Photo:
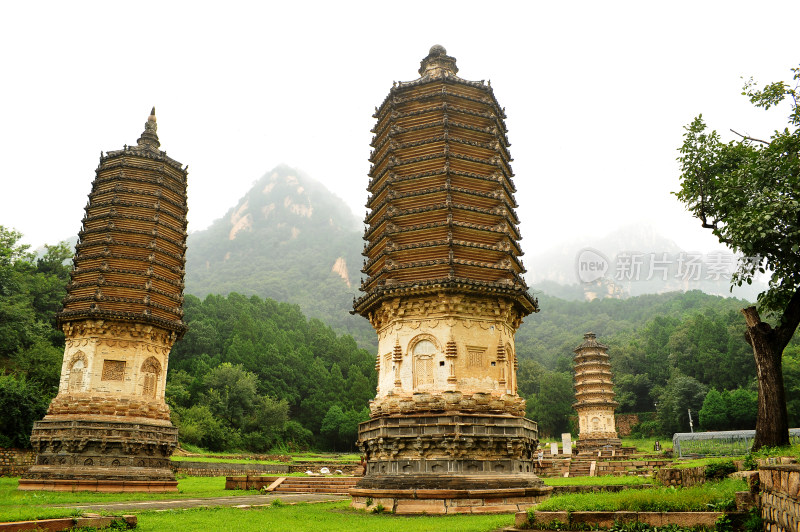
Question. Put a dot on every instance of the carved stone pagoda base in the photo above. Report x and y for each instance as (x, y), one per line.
(88, 454)
(447, 451)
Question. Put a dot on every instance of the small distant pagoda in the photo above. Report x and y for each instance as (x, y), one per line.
(444, 291)
(109, 427)
(594, 396)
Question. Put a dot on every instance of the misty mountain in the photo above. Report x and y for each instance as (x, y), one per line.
(290, 239)
(631, 261)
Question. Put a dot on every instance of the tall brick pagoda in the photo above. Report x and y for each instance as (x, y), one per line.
(444, 291)
(109, 427)
(594, 396)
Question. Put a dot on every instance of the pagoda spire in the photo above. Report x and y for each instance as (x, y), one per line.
(149, 136)
(437, 63)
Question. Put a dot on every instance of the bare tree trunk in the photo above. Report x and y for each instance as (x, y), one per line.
(772, 424)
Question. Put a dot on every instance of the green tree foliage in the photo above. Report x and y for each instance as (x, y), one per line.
(551, 406)
(268, 375)
(791, 379)
(714, 413)
(682, 393)
(21, 403)
(340, 428)
(729, 410)
(748, 193)
(31, 349)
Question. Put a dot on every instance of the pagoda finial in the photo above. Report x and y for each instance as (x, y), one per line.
(149, 137)
(437, 63)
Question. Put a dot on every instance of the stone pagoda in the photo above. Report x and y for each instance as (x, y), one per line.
(109, 427)
(594, 396)
(444, 290)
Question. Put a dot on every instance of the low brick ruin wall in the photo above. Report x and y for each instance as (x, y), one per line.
(15, 462)
(689, 476)
(780, 497)
(593, 520)
(220, 469)
(624, 423)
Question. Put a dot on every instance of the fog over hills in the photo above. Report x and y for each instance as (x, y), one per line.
(631, 261)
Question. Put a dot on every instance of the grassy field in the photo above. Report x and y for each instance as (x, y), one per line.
(607, 480)
(323, 517)
(704, 497)
(645, 445)
(20, 505)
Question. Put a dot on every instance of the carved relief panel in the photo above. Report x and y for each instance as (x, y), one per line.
(424, 352)
(151, 370)
(113, 370)
(76, 372)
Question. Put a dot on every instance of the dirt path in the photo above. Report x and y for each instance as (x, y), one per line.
(243, 501)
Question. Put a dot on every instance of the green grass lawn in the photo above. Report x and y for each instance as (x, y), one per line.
(606, 480)
(28, 505)
(322, 517)
(645, 445)
(18, 505)
(704, 497)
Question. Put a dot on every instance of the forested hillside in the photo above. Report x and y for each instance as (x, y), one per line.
(289, 239)
(667, 352)
(253, 373)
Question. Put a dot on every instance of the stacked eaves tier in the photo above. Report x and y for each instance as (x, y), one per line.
(129, 263)
(441, 206)
(594, 391)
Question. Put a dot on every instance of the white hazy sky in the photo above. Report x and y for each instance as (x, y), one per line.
(596, 93)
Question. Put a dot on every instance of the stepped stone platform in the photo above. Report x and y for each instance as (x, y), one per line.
(449, 501)
(619, 462)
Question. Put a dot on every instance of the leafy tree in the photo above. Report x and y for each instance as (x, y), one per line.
(21, 403)
(199, 426)
(552, 406)
(633, 392)
(682, 393)
(714, 413)
(748, 193)
(742, 409)
(791, 379)
(230, 393)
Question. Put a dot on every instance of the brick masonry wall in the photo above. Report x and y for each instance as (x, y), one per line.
(681, 477)
(625, 422)
(218, 469)
(780, 497)
(15, 462)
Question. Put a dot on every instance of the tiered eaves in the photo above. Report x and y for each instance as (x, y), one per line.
(129, 262)
(441, 206)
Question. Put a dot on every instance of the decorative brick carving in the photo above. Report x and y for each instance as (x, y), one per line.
(113, 370)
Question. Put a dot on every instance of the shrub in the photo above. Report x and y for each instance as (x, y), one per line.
(696, 498)
(719, 470)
